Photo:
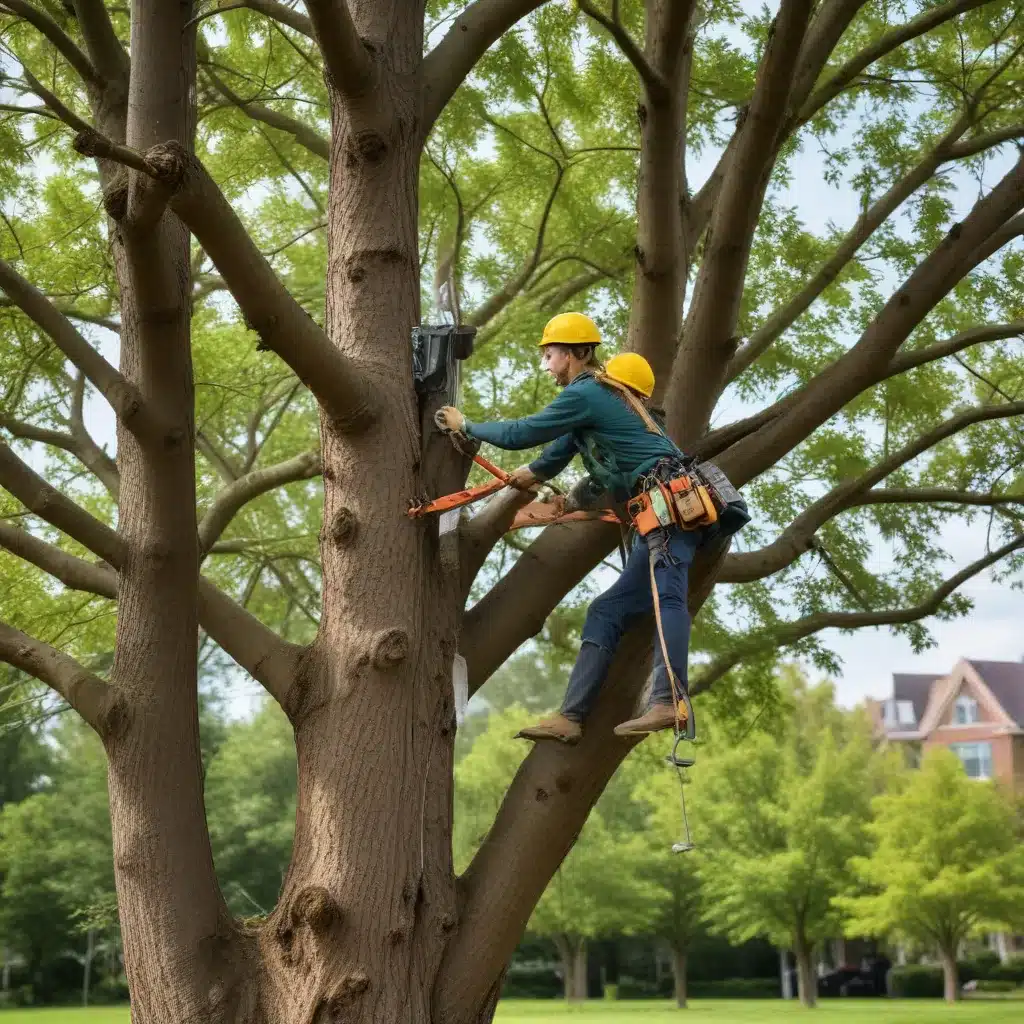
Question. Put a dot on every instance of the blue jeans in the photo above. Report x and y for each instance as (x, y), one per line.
(627, 601)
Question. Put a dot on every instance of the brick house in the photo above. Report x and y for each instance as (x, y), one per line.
(977, 711)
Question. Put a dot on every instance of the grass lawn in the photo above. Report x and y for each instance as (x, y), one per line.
(841, 1011)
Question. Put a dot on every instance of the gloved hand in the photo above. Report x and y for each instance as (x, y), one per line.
(449, 418)
(522, 479)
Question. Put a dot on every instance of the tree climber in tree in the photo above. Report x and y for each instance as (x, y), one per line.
(603, 416)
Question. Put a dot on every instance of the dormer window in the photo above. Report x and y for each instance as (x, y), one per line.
(899, 714)
(965, 711)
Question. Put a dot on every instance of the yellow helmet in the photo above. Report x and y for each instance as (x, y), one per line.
(632, 370)
(571, 329)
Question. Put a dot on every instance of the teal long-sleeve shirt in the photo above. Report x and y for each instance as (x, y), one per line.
(589, 419)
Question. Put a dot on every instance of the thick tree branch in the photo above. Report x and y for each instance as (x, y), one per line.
(904, 361)
(518, 605)
(68, 116)
(282, 324)
(986, 140)
(346, 61)
(784, 634)
(271, 661)
(246, 488)
(302, 133)
(50, 505)
(864, 227)
(282, 13)
(43, 23)
(259, 650)
(992, 222)
(105, 49)
(539, 820)
(936, 496)
(76, 443)
(831, 20)
(656, 86)
(75, 573)
(472, 33)
(718, 441)
(891, 40)
(798, 537)
(124, 398)
(89, 695)
(664, 243)
(698, 375)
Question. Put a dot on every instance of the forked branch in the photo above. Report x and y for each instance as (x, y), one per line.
(346, 60)
(269, 310)
(269, 659)
(472, 33)
(657, 86)
(798, 537)
(43, 23)
(89, 695)
(992, 222)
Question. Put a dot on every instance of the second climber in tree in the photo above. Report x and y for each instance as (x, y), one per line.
(602, 415)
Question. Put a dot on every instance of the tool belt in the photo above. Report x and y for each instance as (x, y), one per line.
(690, 499)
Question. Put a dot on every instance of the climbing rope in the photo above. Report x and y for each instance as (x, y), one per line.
(679, 696)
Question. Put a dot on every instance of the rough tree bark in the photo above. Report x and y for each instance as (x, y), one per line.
(372, 925)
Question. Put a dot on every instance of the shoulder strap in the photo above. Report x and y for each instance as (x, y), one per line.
(633, 402)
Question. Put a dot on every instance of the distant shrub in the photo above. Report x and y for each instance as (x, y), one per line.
(916, 981)
(736, 988)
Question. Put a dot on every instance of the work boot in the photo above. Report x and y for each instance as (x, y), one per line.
(655, 719)
(557, 727)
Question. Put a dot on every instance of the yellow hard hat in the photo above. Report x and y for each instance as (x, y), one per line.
(632, 370)
(571, 329)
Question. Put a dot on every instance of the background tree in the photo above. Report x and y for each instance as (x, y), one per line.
(630, 158)
(58, 898)
(947, 862)
(778, 818)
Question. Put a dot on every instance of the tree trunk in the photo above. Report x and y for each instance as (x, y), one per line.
(572, 952)
(950, 975)
(679, 976)
(807, 982)
(5, 973)
(579, 974)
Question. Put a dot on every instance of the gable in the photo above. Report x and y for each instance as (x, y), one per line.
(965, 680)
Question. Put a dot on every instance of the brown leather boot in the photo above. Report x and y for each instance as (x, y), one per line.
(557, 727)
(655, 719)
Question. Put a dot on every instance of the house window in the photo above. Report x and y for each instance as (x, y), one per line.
(899, 714)
(965, 711)
(976, 758)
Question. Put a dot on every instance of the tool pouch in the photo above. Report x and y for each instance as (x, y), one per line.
(652, 509)
(693, 504)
